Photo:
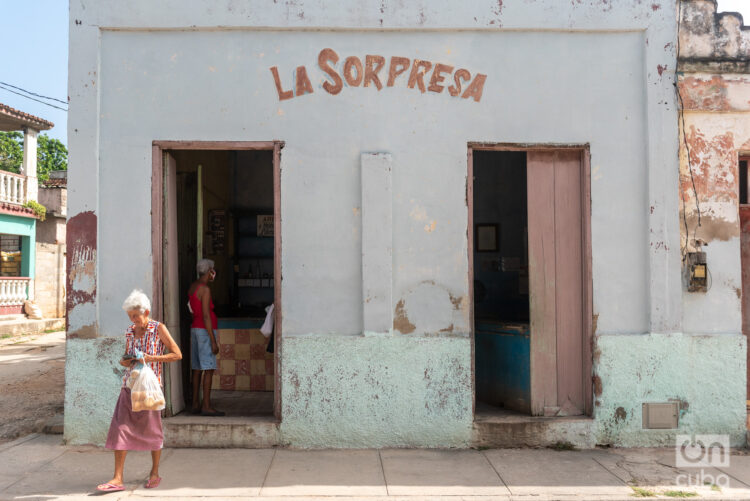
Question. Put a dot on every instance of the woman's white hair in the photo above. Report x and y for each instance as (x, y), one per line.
(203, 266)
(137, 300)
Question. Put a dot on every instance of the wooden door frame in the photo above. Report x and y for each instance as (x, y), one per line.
(743, 156)
(588, 308)
(157, 230)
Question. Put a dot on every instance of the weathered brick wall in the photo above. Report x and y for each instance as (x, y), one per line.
(50, 279)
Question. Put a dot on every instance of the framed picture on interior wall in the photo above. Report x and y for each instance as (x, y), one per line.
(265, 226)
(487, 238)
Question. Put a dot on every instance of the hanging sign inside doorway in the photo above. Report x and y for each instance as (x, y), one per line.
(216, 227)
(424, 75)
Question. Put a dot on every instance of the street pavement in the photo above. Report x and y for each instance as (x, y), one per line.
(22, 357)
(32, 381)
(41, 467)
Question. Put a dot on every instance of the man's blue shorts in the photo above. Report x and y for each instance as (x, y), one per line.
(201, 356)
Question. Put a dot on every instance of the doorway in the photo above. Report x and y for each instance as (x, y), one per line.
(744, 202)
(220, 201)
(530, 269)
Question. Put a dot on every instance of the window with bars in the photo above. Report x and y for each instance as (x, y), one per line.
(10, 255)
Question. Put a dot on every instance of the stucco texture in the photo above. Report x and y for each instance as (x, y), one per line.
(426, 134)
(376, 391)
(93, 378)
(705, 373)
(715, 141)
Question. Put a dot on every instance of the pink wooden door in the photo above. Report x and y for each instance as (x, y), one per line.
(556, 281)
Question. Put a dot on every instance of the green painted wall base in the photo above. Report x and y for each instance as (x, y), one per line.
(93, 378)
(403, 391)
(376, 391)
(705, 373)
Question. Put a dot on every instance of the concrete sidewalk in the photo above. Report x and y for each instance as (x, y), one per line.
(40, 467)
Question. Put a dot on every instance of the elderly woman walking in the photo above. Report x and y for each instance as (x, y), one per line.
(139, 431)
(203, 344)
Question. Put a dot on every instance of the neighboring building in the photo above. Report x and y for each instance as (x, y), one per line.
(714, 83)
(18, 222)
(50, 246)
(475, 215)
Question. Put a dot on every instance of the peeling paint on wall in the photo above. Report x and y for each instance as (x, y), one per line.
(391, 391)
(701, 94)
(712, 177)
(675, 367)
(712, 227)
(430, 309)
(81, 282)
(401, 321)
(714, 87)
(93, 378)
(714, 163)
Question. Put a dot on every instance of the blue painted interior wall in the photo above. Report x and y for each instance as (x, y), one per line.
(503, 376)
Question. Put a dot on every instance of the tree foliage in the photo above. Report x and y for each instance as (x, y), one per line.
(11, 151)
(51, 154)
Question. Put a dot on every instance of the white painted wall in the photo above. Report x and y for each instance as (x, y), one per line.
(149, 92)
(554, 86)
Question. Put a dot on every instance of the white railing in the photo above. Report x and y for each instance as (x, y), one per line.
(13, 290)
(12, 188)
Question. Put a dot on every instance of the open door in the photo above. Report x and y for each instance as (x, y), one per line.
(187, 224)
(170, 285)
(557, 282)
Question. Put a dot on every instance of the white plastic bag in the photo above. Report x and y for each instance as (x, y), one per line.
(145, 391)
(32, 310)
(267, 328)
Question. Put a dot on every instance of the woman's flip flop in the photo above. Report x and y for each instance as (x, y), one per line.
(153, 483)
(110, 487)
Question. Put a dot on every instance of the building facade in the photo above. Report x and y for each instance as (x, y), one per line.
(465, 215)
(50, 246)
(714, 148)
(17, 219)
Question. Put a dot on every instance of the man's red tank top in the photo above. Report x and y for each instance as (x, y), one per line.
(197, 307)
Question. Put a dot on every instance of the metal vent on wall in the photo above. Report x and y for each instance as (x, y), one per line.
(661, 416)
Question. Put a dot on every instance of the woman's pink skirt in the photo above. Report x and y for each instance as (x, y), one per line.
(134, 431)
